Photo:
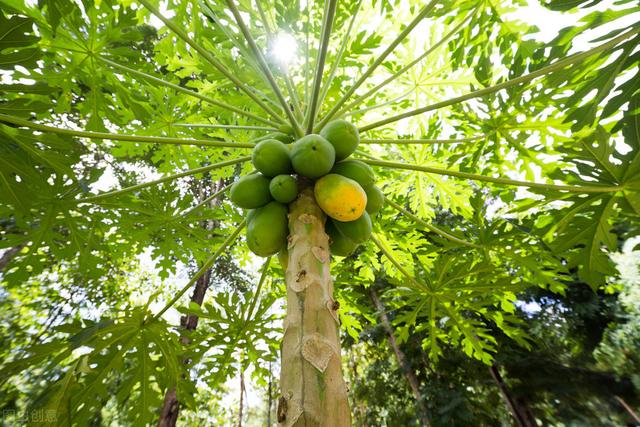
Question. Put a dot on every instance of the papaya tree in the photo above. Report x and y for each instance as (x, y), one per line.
(437, 145)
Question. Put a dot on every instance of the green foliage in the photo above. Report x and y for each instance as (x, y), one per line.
(141, 355)
(560, 378)
(619, 347)
(456, 96)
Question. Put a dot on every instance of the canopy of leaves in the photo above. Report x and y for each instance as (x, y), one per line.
(507, 164)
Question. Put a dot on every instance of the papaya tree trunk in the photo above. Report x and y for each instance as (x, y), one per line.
(313, 391)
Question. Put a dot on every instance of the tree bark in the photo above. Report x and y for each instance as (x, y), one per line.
(171, 405)
(409, 373)
(313, 391)
(190, 322)
(9, 255)
(241, 395)
(361, 412)
(628, 408)
(169, 411)
(269, 399)
(520, 410)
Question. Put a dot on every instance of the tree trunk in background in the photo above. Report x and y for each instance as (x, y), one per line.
(269, 399)
(169, 411)
(412, 379)
(241, 395)
(361, 412)
(519, 409)
(171, 405)
(8, 255)
(628, 408)
(311, 383)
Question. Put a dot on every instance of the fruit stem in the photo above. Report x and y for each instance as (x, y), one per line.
(264, 67)
(403, 70)
(230, 127)
(293, 94)
(322, 55)
(338, 58)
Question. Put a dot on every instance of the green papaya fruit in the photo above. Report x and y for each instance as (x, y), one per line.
(375, 199)
(339, 244)
(283, 257)
(284, 188)
(282, 137)
(358, 231)
(312, 156)
(271, 157)
(251, 191)
(285, 128)
(355, 170)
(343, 136)
(267, 229)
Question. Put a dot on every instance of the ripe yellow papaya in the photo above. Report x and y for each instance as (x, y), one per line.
(340, 198)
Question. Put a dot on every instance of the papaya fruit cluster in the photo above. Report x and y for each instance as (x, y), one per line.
(344, 188)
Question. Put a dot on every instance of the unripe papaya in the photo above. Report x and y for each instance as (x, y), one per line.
(343, 136)
(267, 229)
(283, 257)
(312, 156)
(358, 231)
(284, 188)
(355, 170)
(282, 137)
(271, 157)
(251, 191)
(285, 128)
(340, 198)
(375, 199)
(339, 244)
